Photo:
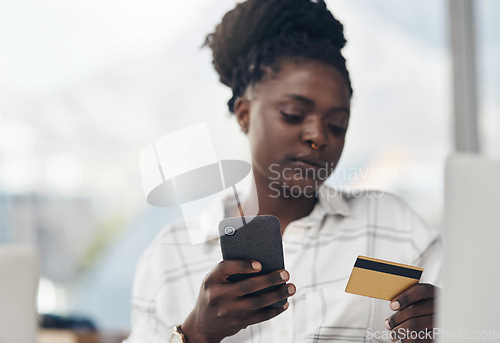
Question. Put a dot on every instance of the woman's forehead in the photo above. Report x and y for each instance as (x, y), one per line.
(308, 78)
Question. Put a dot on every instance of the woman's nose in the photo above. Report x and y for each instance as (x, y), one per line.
(314, 134)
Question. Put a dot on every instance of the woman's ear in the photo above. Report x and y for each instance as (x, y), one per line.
(242, 113)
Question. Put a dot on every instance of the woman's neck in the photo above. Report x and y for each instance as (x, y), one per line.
(282, 205)
(287, 209)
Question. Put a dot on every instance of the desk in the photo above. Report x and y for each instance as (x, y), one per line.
(68, 336)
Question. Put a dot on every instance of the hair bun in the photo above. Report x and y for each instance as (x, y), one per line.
(256, 21)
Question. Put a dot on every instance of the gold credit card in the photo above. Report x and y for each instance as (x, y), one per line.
(381, 279)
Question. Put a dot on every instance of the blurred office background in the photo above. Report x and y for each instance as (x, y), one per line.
(86, 85)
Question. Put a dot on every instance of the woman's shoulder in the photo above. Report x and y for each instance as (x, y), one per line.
(358, 201)
(379, 201)
(382, 209)
(175, 245)
(175, 231)
(185, 233)
(361, 197)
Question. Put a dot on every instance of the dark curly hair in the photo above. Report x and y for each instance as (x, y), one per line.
(257, 33)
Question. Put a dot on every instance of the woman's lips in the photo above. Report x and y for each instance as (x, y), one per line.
(303, 164)
(309, 161)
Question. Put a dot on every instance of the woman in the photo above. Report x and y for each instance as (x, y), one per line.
(291, 96)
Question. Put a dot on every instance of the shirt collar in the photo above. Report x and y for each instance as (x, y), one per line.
(330, 202)
(333, 201)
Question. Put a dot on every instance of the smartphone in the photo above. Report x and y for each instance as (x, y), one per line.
(253, 238)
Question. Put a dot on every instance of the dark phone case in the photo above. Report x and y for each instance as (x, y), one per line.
(259, 239)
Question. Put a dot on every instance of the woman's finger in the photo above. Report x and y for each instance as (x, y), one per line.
(419, 309)
(414, 330)
(416, 293)
(257, 283)
(230, 267)
(256, 302)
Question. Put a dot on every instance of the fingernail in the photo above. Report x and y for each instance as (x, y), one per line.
(286, 305)
(395, 305)
(387, 324)
(256, 265)
(284, 275)
(291, 289)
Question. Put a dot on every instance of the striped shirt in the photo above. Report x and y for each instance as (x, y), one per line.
(319, 249)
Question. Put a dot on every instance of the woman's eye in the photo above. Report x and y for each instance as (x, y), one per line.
(291, 117)
(337, 130)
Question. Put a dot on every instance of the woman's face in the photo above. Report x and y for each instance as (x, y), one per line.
(296, 120)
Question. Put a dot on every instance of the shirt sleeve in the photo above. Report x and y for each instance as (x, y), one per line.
(166, 285)
(428, 243)
(431, 260)
(147, 324)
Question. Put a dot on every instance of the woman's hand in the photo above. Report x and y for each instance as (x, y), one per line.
(222, 308)
(414, 320)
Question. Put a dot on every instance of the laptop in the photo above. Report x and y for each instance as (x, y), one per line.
(470, 303)
(18, 290)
